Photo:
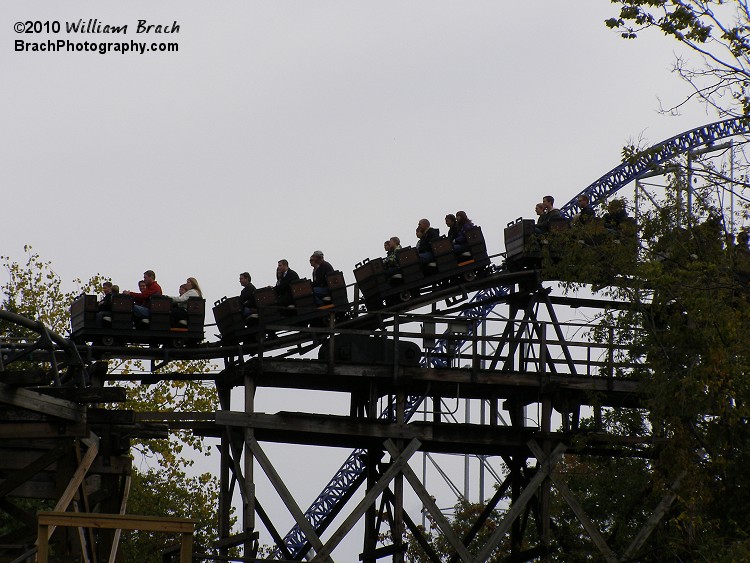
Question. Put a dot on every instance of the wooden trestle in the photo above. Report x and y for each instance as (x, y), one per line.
(58, 444)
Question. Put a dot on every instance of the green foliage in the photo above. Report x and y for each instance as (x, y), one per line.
(171, 493)
(686, 335)
(684, 338)
(35, 291)
(173, 396)
(616, 494)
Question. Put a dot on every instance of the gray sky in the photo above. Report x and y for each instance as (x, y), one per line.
(282, 127)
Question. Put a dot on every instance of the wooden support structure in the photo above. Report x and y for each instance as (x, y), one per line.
(528, 363)
(48, 521)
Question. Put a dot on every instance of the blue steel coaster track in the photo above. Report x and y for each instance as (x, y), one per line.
(650, 159)
(351, 474)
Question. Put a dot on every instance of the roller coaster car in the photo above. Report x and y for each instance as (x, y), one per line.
(302, 310)
(522, 248)
(365, 349)
(118, 324)
(380, 286)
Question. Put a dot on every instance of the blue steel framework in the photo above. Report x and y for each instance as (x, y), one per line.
(351, 474)
(650, 159)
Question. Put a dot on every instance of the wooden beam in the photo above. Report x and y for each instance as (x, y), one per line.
(75, 481)
(38, 402)
(117, 521)
(118, 531)
(344, 431)
(653, 520)
(86, 395)
(29, 430)
(317, 373)
(416, 531)
(48, 521)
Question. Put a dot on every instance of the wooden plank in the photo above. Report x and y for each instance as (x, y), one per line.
(86, 395)
(307, 428)
(118, 531)
(306, 374)
(75, 481)
(117, 521)
(48, 521)
(110, 416)
(26, 431)
(13, 460)
(653, 520)
(38, 402)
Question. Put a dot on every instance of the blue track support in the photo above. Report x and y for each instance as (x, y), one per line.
(351, 473)
(650, 159)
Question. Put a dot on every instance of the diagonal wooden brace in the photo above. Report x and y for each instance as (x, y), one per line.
(396, 467)
(284, 493)
(432, 507)
(519, 505)
(583, 518)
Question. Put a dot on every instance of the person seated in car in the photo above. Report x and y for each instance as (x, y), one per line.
(187, 290)
(321, 269)
(247, 296)
(616, 215)
(460, 242)
(551, 215)
(450, 222)
(284, 277)
(151, 287)
(586, 214)
(391, 261)
(426, 235)
(104, 306)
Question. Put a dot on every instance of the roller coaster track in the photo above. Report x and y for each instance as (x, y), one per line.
(352, 473)
(651, 159)
(48, 342)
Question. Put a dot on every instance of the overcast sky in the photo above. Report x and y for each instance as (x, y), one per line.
(282, 127)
